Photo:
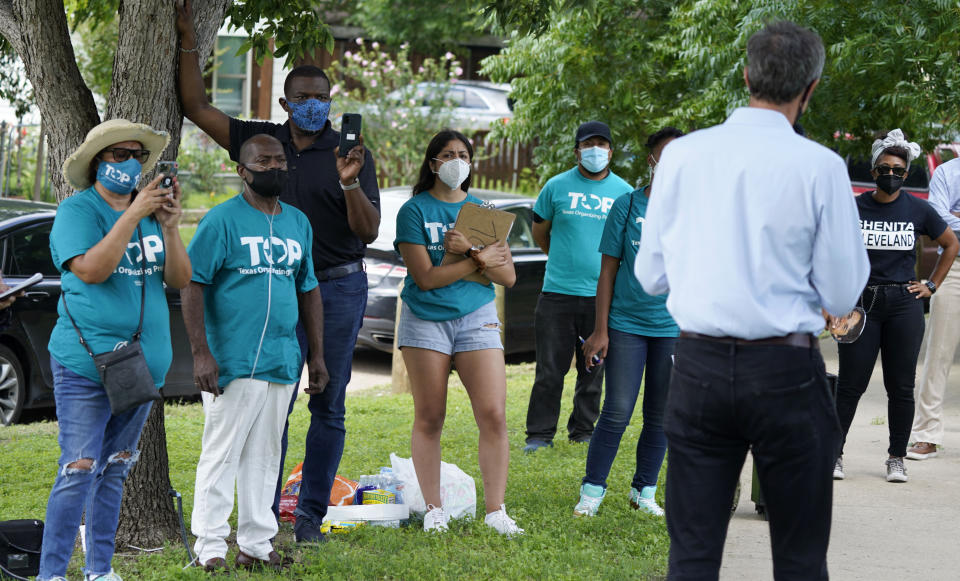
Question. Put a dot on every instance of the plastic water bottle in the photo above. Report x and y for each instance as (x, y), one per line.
(390, 482)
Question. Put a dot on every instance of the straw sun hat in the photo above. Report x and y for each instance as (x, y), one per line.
(76, 168)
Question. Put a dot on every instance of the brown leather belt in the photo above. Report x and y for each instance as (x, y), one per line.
(805, 340)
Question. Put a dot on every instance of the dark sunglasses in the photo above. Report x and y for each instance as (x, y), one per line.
(897, 171)
(123, 154)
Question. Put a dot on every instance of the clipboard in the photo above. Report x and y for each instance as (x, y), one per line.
(482, 225)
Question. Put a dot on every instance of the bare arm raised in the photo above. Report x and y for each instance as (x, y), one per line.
(193, 95)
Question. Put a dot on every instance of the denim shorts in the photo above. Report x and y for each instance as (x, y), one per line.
(471, 332)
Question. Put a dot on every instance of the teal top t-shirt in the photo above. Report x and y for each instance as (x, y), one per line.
(423, 220)
(252, 281)
(632, 310)
(107, 313)
(578, 209)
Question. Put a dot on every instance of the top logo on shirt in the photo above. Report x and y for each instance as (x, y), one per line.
(272, 251)
(135, 254)
(588, 205)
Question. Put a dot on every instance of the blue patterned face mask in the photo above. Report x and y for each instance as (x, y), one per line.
(120, 178)
(310, 115)
(594, 159)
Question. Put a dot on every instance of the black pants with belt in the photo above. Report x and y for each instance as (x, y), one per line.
(724, 399)
(559, 320)
(894, 329)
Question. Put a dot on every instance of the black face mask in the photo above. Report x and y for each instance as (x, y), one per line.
(889, 183)
(269, 183)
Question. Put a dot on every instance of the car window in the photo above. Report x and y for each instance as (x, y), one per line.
(521, 235)
(473, 101)
(30, 252)
(455, 97)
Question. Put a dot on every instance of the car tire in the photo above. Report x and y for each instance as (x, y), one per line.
(13, 386)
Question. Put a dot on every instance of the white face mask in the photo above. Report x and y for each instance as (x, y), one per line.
(453, 172)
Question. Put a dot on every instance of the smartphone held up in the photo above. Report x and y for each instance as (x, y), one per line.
(349, 133)
(169, 171)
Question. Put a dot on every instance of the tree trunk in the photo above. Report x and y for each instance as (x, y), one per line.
(147, 517)
(37, 31)
(144, 90)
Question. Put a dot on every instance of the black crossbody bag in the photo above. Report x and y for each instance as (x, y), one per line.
(124, 372)
(20, 542)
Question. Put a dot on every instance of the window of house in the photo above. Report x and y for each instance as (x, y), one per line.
(230, 92)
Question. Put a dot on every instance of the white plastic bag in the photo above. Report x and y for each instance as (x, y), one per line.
(458, 492)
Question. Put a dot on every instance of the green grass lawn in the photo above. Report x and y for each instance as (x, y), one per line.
(617, 544)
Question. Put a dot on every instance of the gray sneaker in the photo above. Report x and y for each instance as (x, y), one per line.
(838, 469)
(896, 472)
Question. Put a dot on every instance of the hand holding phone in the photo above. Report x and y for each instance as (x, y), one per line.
(169, 170)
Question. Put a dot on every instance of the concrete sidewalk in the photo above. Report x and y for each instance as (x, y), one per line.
(881, 530)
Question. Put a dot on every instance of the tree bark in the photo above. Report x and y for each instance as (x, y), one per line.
(144, 90)
(37, 31)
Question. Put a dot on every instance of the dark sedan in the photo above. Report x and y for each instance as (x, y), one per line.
(25, 377)
(385, 270)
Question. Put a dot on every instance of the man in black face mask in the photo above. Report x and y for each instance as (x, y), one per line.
(253, 277)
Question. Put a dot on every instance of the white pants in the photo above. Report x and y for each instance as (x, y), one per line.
(943, 334)
(241, 446)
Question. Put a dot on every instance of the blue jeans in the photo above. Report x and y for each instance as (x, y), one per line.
(87, 431)
(627, 354)
(344, 301)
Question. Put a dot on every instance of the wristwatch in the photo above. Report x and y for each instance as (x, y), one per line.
(932, 286)
(469, 253)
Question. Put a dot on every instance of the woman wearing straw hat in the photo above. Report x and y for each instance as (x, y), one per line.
(890, 219)
(109, 242)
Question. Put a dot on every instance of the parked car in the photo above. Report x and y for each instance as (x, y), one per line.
(476, 104)
(25, 378)
(916, 183)
(385, 271)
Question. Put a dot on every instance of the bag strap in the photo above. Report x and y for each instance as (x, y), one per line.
(143, 298)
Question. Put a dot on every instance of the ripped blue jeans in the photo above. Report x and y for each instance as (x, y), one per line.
(97, 450)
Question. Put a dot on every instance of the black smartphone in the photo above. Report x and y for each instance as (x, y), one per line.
(21, 286)
(349, 133)
(168, 169)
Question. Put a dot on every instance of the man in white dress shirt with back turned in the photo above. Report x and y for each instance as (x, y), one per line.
(752, 231)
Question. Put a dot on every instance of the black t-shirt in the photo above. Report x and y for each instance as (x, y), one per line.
(890, 231)
(314, 188)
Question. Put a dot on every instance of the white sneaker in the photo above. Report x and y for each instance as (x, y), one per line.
(111, 576)
(838, 469)
(435, 519)
(896, 472)
(644, 500)
(591, 496)
(503, 524)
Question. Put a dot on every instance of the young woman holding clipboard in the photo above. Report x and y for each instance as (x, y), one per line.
(447, 319)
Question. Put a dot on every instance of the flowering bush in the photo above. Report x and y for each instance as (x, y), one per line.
(403, 104)
(203, 165)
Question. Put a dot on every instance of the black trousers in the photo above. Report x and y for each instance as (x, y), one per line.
(894, 329)
(725, 399)
(560, 319)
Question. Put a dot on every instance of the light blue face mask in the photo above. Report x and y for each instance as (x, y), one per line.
(310, 115)
(594, 159)
(119, 177)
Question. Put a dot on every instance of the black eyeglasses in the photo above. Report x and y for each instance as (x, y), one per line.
(897, 171)
(123, 154)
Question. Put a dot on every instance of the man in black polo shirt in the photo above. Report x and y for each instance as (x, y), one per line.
(340, 197)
